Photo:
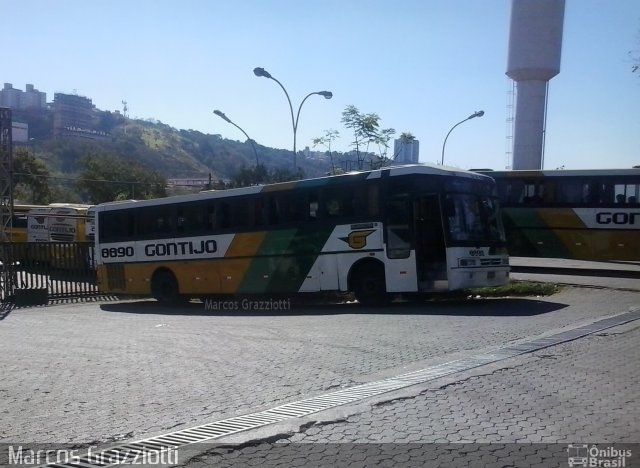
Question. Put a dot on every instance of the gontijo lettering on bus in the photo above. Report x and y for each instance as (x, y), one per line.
(199, 247)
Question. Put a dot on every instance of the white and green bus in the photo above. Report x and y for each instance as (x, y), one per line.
(409, 229)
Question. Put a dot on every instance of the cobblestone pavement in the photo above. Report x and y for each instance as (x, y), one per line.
(524, 414)
(103, 372)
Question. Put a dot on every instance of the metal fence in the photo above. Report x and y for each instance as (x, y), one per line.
(36, 272)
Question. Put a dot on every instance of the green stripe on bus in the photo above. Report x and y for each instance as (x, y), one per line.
(284, 260)
(529, 236)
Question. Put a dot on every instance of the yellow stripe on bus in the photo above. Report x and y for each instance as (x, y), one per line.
(561, 218)
(246, 244)
(217, 276)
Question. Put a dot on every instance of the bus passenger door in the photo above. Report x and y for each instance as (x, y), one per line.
(431, 254)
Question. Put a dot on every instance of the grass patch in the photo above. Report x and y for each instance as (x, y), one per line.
(517, 288)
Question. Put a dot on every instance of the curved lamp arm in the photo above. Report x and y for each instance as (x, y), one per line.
(227, 119)
(472, 116)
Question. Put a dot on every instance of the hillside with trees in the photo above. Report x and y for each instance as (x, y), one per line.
(136, 157)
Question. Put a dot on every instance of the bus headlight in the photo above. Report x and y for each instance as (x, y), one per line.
(467, 262)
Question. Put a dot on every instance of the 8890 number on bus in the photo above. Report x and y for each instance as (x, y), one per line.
(117, 252)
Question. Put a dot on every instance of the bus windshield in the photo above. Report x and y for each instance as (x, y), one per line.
(473, 218)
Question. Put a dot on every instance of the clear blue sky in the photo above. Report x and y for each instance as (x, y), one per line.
(421, 65)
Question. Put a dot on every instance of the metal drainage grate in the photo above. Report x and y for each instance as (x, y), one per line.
(215, 430)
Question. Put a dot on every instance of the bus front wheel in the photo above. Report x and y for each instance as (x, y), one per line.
(369, 285)
(164, 288)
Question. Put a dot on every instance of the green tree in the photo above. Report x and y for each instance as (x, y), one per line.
(326, 140)
(366, 131)
(353, 119)
(31, 178)
(382, 141)
(261, 175)
(250, 176)
(107, 178)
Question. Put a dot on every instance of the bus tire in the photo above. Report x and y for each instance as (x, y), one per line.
(164, 288)
(369, 285)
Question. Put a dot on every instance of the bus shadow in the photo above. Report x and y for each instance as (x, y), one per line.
(500, 307)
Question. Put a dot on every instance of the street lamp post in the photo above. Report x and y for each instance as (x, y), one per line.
(472, 116)
(224, 117)
(294, 120)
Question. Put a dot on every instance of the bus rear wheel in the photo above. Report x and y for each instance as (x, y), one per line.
(164, 288)
(369, 285)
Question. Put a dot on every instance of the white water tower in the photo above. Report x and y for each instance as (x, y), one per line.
(535, 45)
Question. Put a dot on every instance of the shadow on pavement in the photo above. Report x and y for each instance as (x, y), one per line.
(5, 310)
(502, 307)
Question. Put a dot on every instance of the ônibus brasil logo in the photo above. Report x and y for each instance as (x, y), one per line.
(593, 456)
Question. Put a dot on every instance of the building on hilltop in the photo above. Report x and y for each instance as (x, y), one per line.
(406, 151)
(22, 100)
(73, 117)
(10, 97)
(33, 99)
(70, 110)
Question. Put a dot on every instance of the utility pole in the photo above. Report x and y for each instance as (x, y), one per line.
(7, 280)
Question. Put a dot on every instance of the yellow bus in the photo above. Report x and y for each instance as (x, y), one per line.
(58, 222)
(55, 234)
(583, 214)
(18, 230)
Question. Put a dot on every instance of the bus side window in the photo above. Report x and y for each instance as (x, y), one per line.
(365, 201)
(271, 211)
(225, 215)
(118, 225)
(503, 187)
(190, 219)
(181, 221)
(594, 193)
(287, 208)
(162, 224)
(338, 202)
(627, 193)
(533, 193)
(348, 202)
(257, 212)
(240, 213)
(607, 194)
(549, 192)
(20, 220)
(147, 222)
(130, 223)
(514, 192)
(296, 209)
(373, 202)
(210, 220)
(313, 206)
(332, 207)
